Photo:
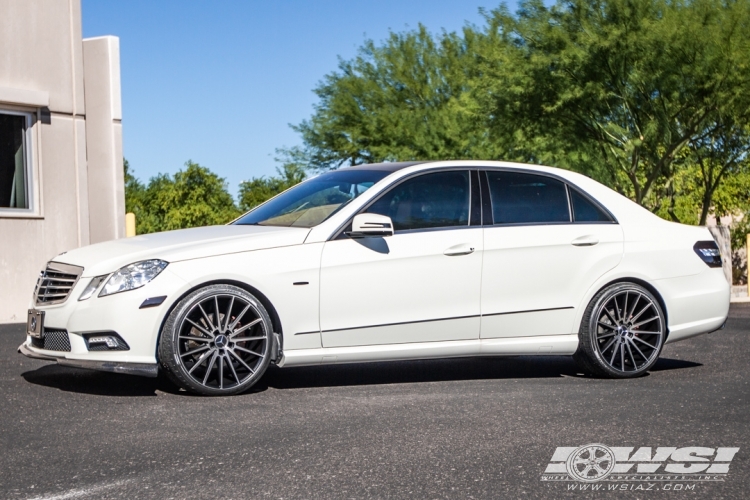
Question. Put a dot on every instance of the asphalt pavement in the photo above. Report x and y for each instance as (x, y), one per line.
(461, 428)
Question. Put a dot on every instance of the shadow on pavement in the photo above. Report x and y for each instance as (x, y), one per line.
(397, 372)
(404, 372)
(97, 383)
(665, 364)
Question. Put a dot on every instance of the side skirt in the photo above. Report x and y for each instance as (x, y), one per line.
(515, 346)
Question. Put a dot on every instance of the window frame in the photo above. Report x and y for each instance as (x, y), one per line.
(31, 183)
(489, 208)
(340, 233)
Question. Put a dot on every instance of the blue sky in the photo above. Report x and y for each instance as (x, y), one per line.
(219, 82)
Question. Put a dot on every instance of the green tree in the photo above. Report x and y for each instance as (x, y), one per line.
(619, 88)
(133, 190)
(194, 197)
(135, 202)
(405, 99)
(259, 189)
(647, 96)
(712, 177)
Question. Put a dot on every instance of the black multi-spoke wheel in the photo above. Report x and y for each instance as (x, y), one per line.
(218, 340)
(622, 332)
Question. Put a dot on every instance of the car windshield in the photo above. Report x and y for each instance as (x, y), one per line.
(313, 201)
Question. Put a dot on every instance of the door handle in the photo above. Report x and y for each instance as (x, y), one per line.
(461, 249)
(585, 241)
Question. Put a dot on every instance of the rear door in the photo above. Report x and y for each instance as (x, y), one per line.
(546, 244)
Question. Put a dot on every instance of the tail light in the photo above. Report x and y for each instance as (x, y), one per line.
(709, 253)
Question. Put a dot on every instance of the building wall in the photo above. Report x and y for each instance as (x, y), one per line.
(43, 70)
(104, 138)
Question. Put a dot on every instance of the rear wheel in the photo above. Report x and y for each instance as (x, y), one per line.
(622, 332)
(217, 341)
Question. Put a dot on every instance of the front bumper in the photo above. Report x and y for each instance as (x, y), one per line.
(141, 369)
(119, 314)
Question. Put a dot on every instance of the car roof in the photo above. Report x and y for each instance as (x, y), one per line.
(386, 167)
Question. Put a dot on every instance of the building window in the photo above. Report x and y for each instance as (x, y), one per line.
(15, 175)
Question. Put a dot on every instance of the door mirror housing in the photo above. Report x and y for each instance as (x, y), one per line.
(369, 225)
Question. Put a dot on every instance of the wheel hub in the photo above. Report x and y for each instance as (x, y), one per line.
(221, 341)
(623, 333)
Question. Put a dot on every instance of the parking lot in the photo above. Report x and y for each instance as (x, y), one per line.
(462, 428)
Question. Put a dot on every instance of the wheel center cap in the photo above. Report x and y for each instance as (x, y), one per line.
(221, 341)
(624, 333)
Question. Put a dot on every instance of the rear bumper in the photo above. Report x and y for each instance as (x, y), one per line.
(141, 369)
(695, 304)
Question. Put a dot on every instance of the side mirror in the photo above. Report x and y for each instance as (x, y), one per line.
(365, 225)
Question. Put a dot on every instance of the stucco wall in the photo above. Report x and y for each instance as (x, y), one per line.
(104, 138)
(42, 54)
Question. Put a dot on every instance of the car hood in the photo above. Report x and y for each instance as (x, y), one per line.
(184, 244)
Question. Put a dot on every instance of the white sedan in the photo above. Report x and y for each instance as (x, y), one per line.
(386, 262)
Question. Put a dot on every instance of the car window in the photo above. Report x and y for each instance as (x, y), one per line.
(313, 201)
(439, 199)
(584, 210)
(519, 198)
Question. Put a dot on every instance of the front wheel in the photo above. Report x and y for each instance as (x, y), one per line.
(217, 341)
(622, 332)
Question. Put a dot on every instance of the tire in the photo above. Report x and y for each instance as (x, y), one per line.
(217, 341)
(622, 332)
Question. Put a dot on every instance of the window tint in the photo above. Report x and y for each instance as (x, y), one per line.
(586, 211)
(430, 200)
(527, 198)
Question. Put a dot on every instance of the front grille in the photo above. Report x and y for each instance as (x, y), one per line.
(55, 283)
(53, 340)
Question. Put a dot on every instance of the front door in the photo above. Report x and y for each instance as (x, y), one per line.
(420, 285)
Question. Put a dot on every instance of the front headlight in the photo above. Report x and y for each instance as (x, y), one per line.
(133, 276)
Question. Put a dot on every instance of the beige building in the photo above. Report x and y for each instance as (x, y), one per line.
(61, 174)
